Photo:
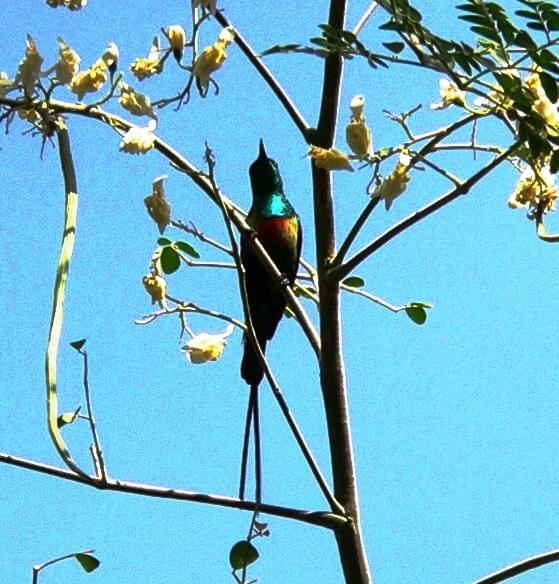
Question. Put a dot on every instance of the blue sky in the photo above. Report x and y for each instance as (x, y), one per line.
(454, 422)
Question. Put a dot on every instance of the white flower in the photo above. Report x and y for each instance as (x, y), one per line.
(139, 140)
(206, 347)
(451, 95)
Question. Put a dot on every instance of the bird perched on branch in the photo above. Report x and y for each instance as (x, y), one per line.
(279, 230)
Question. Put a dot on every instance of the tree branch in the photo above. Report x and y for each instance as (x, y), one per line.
(321, 518)
(332, 374)
(345, 269)
(521, 567)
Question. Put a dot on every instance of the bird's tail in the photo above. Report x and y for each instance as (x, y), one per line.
(251, 369)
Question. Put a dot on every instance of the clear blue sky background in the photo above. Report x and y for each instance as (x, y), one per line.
(455, 422)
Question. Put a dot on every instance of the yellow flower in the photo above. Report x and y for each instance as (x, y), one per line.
(396, 182)
(548, 111)
(330, 159)
(90, 80)
(212, 58)
(68, 63)
(29, 67)
(534, 189)
(451, 95)
(542, 105)
(135, 102)
(5, 83)
(358, 134)
(211, 5)
(158, 206)
(139, 140)
(177, 39)
(29, 115)
(206, 347)
(156, 287)
(144, 67)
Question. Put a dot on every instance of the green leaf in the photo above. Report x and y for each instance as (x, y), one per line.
(524, 40)
(170, 260)
(242, 554)
(78, 344)
(535, 26)
(88, 562)
(486, 32)
(475, 18)
(354, 282)
(67, 418)
(549, 86)
(164, 241)
(395, 47)
(186, 248)
(475, 8)
(417, 312)
(554, 162)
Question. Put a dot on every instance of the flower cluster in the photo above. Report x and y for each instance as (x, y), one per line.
(536, 189)
(450, 93)
(542, 105)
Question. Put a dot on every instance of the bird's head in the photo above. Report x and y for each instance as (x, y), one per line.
(264, 174)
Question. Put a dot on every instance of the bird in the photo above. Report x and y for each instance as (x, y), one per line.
(278, 227)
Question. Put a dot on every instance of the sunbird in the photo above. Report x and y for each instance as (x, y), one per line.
(278, 227)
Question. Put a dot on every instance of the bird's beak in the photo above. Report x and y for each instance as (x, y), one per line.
(262, 153)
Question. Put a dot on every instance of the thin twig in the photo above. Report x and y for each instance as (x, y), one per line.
(365, 18)
(193, 230)
(98, 458)
(37, 568)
